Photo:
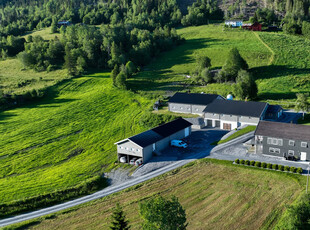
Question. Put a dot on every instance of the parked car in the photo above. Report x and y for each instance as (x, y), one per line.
(132, 161)
(178, 143)
(139, 162)
(123, 160)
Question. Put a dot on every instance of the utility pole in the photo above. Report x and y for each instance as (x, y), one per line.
(308, 178)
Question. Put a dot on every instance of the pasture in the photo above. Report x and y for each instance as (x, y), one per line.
(215, 194)
(67, 137)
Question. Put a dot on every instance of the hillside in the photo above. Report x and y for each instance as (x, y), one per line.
(215, 195)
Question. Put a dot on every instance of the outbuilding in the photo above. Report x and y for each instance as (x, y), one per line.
(153, 141)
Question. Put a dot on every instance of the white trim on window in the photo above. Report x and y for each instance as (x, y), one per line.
(291, 152)
(291, 142)
(304, 144)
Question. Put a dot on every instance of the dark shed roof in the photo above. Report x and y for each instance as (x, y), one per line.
(172, 127)
(151, 136)
(146, 138)
(239, 108)
(193, 98)
(274, 109)
(283, 130)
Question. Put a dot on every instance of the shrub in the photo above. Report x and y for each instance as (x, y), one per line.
(269, 166)
(275, 166)
(293, 169)
(299, 170)
(237, 161)
(257, 163)
(242, 162)
(287, 168)
(252, 163)
(247, 162)
(281, 167)
(263, 165)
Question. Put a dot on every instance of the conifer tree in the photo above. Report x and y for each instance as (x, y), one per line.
(119, 221)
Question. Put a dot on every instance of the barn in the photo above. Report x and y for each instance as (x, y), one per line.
(153, 141)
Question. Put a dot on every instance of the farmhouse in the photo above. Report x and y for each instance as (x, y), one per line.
(283, 140)
(228, 114)
(233, 23)
(152, 141)
(193, 103)
(254, 27)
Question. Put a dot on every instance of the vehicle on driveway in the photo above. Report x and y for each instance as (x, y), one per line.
(123, 160)
(139, 162)
(178, 143)
(132, 161)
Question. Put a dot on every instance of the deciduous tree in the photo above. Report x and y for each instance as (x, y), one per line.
(302, 103)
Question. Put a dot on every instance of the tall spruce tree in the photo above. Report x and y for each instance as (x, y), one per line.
(119, 221)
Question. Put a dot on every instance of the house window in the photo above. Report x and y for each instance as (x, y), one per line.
(290, 152)
(271, 150)
(138, 150)
(132, 149)
(291, 142)
(173, 107)
(280, 142)
(188, 108)
(181, 107)
(269, 140)
(275, 141)
(304, 144)
(127, 148)
(276, 150)
(121, 147)
(196, 109)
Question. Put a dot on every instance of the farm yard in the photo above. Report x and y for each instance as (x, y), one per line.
(68, 136)
(218, 196)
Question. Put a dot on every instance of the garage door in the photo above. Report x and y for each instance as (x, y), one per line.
(209, 123)
(226, 126)
(217, 124)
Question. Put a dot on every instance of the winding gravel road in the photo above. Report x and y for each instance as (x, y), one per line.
(116, 188)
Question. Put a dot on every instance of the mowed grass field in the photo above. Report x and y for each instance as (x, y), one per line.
(279, 62)
(215, 194)
(65, 138)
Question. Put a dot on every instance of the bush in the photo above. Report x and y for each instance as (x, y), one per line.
(237, 161)
(257, 163)
(275, 166)
(252, 163)
(264, 165)
(269, 166)
(287, 168)
(281, 167)
(293, 169)
(247, 162)
(299, 170)
(242, 162)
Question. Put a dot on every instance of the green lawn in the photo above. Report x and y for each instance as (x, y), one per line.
(239, 133)
(215, 194)
(38, 143)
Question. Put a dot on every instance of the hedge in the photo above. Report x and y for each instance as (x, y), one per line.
(237, 161)
(257, 164)
(281, 167)
(287, 168)
(247, 162)
(269, 166)
(264, 165)
(242, 162)
(299, 170)
(252, 163)
(275, 166)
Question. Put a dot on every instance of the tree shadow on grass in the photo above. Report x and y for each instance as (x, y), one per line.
(274, 71)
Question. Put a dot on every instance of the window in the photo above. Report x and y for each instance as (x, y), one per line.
(271, 150)
(280, 142)
(132, 149)
(181, 107)
(277, 150)
(269, 140)
(173, 107)
(275, 141)
(188, 108)
(304, 144)
(121, 147)
(127, 148)
(138, 150)
(291, 142)
(290, 152)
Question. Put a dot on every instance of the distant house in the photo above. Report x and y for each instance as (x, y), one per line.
(283, 140)
(153, 141)
(274, 112)
(193, 103)
(64, 23)
(234, 23)
(254, 27)
(228, 114)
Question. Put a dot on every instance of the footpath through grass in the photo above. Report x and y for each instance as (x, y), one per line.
(66, 138)
(239, 133)
(215, 194)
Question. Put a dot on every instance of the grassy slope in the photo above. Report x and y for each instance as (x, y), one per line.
(88, 104)
(167, 72)
(239, 133)
(218, 195)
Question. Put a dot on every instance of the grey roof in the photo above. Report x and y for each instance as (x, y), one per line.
(172, 127)
(156, 134)
(193, 98)
(195, 120)
(283, 130)
(238, 108)
(146, 138)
